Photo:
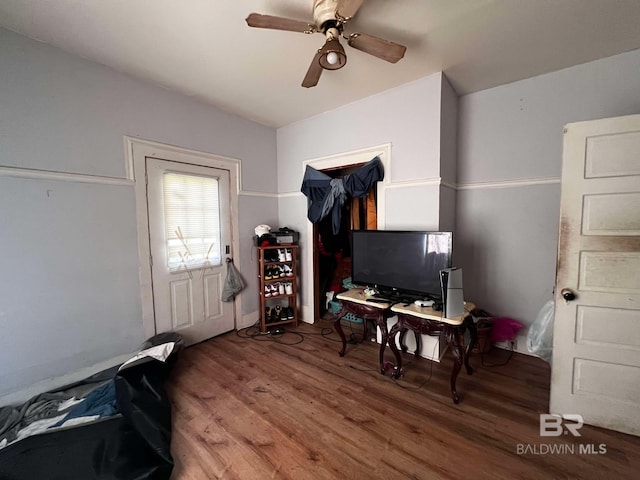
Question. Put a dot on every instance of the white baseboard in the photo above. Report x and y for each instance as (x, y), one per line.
(520, 345)
(249, 320)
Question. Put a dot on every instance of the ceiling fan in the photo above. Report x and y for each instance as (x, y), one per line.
(330, 18)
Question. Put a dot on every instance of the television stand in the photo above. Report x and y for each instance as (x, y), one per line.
(427, 321)
(420, 320)
(356, 302)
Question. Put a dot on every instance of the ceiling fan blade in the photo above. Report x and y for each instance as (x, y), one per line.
(384, 49)
(314, 72)
(348, 8)
(279, 23)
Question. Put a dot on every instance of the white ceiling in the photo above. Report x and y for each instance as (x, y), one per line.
(204, 48)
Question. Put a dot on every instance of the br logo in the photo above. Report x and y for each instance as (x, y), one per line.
(556, 425)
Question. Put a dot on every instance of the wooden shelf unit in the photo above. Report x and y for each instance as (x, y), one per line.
(284, 300)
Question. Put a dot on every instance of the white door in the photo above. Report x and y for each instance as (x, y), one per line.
(596, 351)
(190, 238)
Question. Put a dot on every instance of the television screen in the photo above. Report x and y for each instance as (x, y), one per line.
(400, 263)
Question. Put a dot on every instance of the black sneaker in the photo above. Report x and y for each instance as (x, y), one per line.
(289, 312)
(275, 313)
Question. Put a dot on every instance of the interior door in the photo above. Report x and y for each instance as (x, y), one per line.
(596, 352)
(190, 237)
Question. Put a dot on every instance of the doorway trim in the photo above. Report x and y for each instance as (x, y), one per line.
(336, 161)
(136, 151)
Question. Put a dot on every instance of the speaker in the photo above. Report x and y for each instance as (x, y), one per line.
(452, 297)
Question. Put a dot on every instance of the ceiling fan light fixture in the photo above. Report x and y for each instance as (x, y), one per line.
(332, 56)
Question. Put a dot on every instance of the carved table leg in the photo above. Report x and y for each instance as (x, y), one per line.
(473, 331)
(338, 328)
(403, 345)
(381, 321)
(398, 327)
(451, 334)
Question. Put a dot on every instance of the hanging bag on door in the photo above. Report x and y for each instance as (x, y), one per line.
(233, 284)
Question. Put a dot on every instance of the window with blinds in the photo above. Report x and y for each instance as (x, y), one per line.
(192, 221)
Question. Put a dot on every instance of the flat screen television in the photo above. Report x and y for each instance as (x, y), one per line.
(400, 264)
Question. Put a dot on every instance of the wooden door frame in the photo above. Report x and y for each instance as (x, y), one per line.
(137, 151)
(339, 161)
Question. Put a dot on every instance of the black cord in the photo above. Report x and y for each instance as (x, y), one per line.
(253, 332)
(324, 332)
(247, 332)
(411, 387)
(489, 365)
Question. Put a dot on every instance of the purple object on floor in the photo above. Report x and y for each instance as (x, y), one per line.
(505, 329)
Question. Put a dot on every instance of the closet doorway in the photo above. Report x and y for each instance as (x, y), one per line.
(335, 163)
(332, 252)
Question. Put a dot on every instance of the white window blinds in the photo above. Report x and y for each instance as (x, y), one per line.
(192, 221)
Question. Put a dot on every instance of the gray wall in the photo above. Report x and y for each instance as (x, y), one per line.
(69, 289)
(509, 154)
(507, 232)
(409, 117)
(69, 295)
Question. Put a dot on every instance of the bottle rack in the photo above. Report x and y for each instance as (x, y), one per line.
(287, 299)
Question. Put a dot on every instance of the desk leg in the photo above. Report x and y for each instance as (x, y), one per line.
(381, 321)
(397, 328)
(473, 332)
(403, 345)
(451, 334)
(338, 328)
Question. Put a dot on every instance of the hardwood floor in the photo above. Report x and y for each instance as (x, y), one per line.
(260, 408)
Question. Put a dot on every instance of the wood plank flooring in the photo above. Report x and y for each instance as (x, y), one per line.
(270, 407)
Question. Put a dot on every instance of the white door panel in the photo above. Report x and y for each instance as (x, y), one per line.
(187, 298)
(596, 355)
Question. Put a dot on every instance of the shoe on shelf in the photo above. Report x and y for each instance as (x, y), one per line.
(283, 314)
(275, 273)
(288, 255)
(281, 255)
(288, 288)
(287, 271)
(280, 288)
(274, 289)
(281, 271)
(267, 291)
(267, 314)
(276, 313)
(289, 312)
(268, 273)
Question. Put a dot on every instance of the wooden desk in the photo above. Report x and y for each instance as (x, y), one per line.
(355, 301)
(425, 320)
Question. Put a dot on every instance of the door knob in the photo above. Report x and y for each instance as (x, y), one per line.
(567, 294)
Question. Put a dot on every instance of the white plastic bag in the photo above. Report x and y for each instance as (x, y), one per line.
(540, 334)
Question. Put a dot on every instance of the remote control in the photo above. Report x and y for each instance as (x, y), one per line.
(377, 300)
(423, 303)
